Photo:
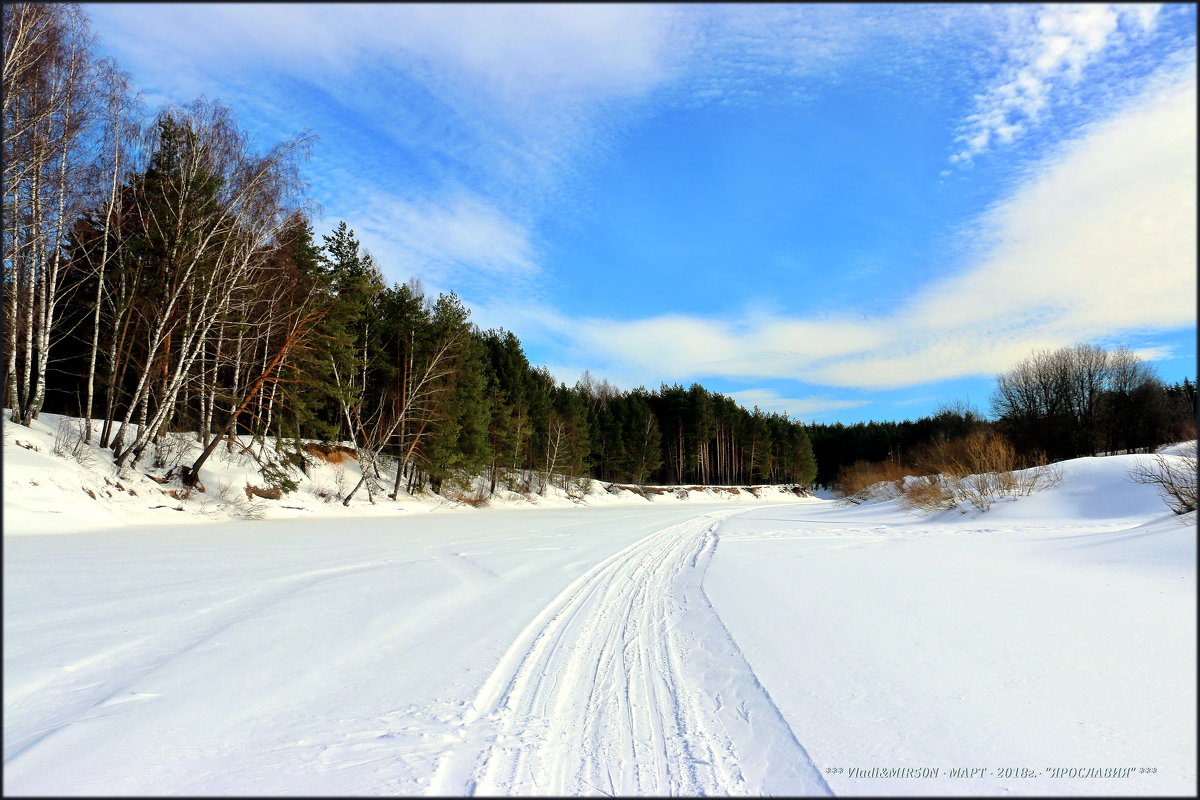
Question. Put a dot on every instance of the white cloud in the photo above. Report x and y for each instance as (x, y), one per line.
(1103, 235)
(1101, 240)
(795, 407)
(517, 49)
(440, 238)
(535, 51)
(504, 99)
(675, 346)
(1061, 42)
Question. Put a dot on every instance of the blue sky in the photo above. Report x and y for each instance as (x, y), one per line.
(844, 212)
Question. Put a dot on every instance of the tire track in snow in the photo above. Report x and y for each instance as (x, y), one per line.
(628, 683)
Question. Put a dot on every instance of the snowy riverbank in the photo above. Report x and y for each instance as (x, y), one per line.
(48, 473)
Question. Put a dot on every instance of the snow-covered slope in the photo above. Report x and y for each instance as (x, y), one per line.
(636, 648)
(44, 487)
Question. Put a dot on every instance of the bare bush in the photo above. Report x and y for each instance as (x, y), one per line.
(1035, 479)
(70, 442)
(267, 493)
(975, 469)
(476, 498)
(927, 493)
(215, 504)
(322, 491)
(171, 449)
(982, 467)
(1174, 476)
(242, 505)
(236, 454)
(864, 480)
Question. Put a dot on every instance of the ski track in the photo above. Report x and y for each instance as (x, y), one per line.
(628, 683)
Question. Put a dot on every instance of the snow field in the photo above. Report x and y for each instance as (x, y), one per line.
(636, 648)
(280, 657)
(1058, 630)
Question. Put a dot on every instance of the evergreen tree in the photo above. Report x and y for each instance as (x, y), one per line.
(355, 285)
(642, 453)
(457, 445)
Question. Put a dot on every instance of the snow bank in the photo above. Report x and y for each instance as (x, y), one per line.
(1081, 488)
(48, 489)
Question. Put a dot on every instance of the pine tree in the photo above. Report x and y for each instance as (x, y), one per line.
(643, 442)
(355, 285)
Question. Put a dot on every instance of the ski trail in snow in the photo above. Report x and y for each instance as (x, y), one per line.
(628, 683)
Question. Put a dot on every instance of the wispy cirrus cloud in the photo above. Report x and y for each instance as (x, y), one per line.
(432, 103)
(771, 400)
(1050, 56)
(440, 239)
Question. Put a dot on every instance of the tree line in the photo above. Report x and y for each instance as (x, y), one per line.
(163, 275)
(1081, 400)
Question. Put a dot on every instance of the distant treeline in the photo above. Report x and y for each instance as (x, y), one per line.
(1075, 401)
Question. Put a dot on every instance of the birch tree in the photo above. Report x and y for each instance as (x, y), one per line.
(47, 92)
(208, 210)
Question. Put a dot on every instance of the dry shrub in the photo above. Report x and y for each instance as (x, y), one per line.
(324, 492)
(246, 509)
(865, 480)
(69, 443)
(333, 453)
(927, 493)
(977, 469)
(476, 498)
(171, 450)
(1182, 430)
(983, 466)
(1175, 477)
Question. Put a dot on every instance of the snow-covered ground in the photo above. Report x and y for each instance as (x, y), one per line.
(626, 647)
